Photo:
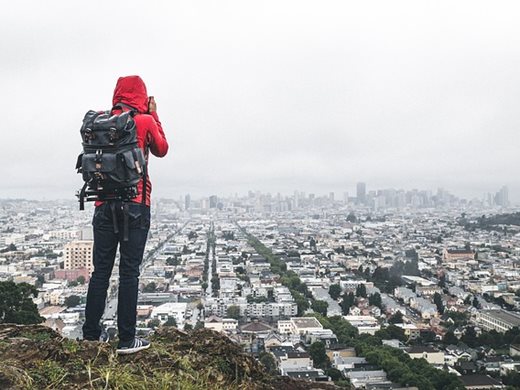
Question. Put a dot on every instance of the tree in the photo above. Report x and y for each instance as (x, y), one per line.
(375, 300)
(319, 355)
(347, 300)
(442, 281)
(172, 261)
(437, 299)
(412, 267)
(512, 379)
(428, 336)
(154, 323)
(320, 307)
(397, 318)
(361, 291)
(150, 288)
(470, 337)
(171, 321)
(72, 301)
(301, 302)
(391, 332)
(233, 311)
(334, 291)
(334, 374)
(81, 279)
(188, 326)
(199, 325)
(268, 361)
(16, 304)
(40, 279)
(450, 338)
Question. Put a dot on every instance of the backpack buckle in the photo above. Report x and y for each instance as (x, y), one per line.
(89, 135)
(112, 134)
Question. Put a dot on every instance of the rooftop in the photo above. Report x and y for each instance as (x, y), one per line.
(506, 316)
(306, 322)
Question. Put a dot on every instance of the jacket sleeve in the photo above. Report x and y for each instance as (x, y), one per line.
(156, 138)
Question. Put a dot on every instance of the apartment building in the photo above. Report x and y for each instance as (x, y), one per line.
(78, 254)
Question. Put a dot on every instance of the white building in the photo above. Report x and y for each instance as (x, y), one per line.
(168, 310)
(430, 354)
(364, 324)
(299, 326)
(221, 324)
(499, 320)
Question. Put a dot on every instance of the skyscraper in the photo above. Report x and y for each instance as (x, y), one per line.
(361, 193)
(502, 197)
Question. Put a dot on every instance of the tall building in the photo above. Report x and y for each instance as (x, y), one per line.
(187, 202)
(361, 193)
(213, 200)
(78, 255)
(345, 197)
(502, 197)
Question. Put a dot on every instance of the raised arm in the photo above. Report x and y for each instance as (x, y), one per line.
(156, 138)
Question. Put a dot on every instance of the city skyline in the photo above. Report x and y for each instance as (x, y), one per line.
(492, 197)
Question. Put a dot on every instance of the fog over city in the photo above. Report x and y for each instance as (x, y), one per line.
(271, 95)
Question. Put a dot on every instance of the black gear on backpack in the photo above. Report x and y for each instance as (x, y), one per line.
(112, 164)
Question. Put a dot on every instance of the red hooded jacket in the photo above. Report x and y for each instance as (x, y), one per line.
(131, 90)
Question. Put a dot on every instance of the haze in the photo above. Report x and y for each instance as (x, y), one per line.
(271, 95)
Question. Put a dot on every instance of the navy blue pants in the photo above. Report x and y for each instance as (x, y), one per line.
(109, 231)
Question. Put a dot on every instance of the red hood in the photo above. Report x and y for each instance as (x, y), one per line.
(132, 91)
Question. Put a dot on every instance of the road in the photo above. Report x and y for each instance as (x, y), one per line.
(211, 256)
(111, 305)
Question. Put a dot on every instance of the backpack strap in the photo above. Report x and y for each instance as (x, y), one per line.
(114, 217)
(82, 196)
(145, 184)
(124, 105)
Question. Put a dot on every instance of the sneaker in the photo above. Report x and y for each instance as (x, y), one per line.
(133, 346)
(104, 337)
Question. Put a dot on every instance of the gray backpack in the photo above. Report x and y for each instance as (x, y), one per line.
(111, 163)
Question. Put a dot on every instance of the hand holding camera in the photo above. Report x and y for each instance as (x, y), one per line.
(152, 106)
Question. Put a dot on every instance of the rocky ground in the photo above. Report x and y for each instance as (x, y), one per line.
(35, 357)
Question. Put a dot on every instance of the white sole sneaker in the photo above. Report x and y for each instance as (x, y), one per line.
(138, 345)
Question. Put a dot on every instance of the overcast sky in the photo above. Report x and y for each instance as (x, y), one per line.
(270, 95)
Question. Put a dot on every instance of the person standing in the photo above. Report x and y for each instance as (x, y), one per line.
(130, 94)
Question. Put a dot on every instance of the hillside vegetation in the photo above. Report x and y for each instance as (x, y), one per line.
(35, 357)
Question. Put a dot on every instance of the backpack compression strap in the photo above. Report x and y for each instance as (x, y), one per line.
(145, 184)
(124, 105)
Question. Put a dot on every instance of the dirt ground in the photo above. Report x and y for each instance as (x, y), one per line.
(35, 357)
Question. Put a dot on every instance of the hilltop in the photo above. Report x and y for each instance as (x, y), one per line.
(36, 357)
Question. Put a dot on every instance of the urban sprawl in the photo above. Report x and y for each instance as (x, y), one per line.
(384, 289)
